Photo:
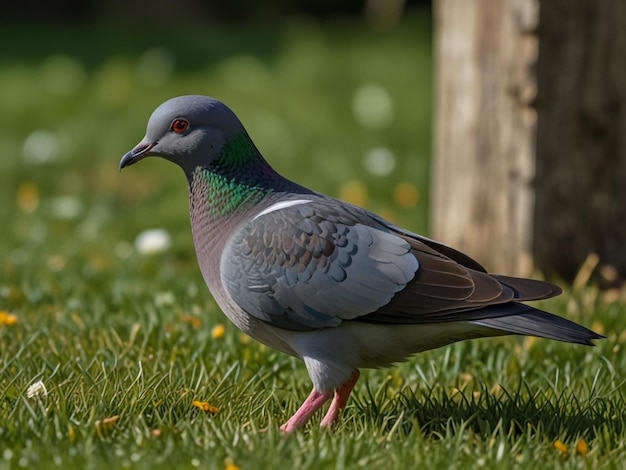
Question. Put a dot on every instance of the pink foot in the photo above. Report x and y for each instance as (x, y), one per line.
(316, 400)
(339, 401)
(313, 403)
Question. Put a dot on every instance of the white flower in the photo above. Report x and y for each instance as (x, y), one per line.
(164, 299)
(38, 389)
(41, 147)
(379, 161)
(372, 106)
(66, 207)
(152, 241)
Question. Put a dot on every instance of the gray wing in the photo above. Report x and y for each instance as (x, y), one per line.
(320, 262)
(317, 263)
(313, 265)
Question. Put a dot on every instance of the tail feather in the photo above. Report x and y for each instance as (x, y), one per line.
(528, 289)
(530, 321)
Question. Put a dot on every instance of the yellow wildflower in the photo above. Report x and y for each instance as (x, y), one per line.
(354, 192)
(558, 445)
(218, 331)
(598, 326)
(7, 319)
(230, 465)
(192, 320)
(27, 197)
(205, 406)
(581, 447)
(405, 195)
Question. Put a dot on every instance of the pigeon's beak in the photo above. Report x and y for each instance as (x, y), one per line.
(142, 150)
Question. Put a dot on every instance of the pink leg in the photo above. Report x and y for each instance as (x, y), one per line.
(313, 403)
(340, 400)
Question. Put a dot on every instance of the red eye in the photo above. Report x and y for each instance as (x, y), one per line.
(180, 125)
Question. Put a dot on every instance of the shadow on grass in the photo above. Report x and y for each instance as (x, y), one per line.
(550, 414)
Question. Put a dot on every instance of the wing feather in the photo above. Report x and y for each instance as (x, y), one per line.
(315, 263)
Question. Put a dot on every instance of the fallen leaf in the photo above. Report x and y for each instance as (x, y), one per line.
(103, 426)
(205, 406)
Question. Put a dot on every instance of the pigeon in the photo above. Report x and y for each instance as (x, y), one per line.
(320, 279)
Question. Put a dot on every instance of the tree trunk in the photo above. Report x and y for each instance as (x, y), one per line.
(485, 128)
(530, 167)
(581, 136)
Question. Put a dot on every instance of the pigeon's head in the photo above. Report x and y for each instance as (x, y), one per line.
(188, 130)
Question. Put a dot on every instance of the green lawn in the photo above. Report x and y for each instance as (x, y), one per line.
(125, 341)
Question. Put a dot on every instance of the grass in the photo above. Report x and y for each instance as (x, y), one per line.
(113, 332)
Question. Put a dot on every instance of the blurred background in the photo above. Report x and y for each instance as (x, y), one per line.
(101, 297)
(337, 96)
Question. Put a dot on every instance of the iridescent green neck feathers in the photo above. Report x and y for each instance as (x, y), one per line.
(238, 179)
(220, 196)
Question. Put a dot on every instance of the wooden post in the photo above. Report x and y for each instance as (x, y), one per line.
(485, 127)
(530, 165)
